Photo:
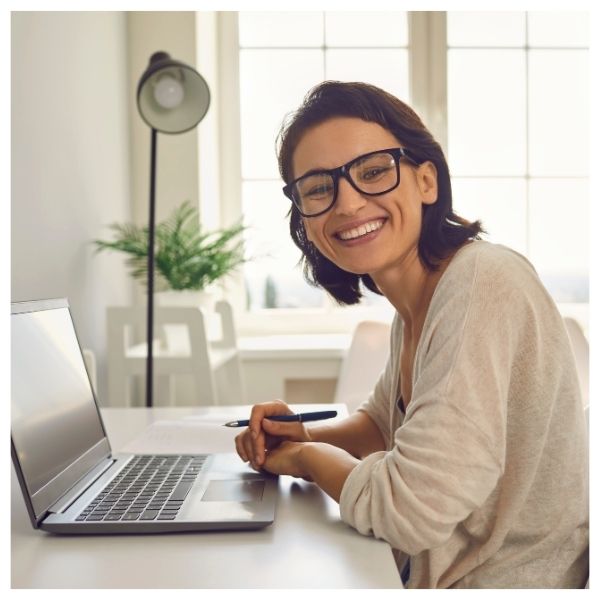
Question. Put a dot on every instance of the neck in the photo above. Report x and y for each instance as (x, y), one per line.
(409, 287)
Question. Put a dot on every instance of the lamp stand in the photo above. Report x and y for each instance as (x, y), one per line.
(150, 307)
(167, 87)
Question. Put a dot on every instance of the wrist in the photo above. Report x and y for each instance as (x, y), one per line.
(309, 435)
(306, 457)
(328, 466)
(316, 433)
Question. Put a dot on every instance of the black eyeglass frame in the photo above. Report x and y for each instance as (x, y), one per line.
(344, 171)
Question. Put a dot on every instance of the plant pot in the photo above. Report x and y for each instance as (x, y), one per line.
(205, 299)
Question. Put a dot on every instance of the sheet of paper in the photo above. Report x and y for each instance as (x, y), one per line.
(184, 437)
(218, 418)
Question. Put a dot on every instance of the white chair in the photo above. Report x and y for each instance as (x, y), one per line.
(183, 346)
(581, 351)
(364, 362)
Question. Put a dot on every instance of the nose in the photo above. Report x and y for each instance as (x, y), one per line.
(349, 201)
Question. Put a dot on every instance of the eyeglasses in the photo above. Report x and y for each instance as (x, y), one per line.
(372, 174)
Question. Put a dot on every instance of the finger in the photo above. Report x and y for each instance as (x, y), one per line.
(248, 444)
(258, 447)
(293, 431)
(259, 411)
(239, 446)
(243, 444)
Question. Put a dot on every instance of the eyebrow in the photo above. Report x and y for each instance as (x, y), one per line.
(315, 171)
(318, 170)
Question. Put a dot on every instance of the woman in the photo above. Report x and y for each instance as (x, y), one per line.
(470, 455)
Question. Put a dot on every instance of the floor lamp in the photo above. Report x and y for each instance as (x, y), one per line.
(172, 98)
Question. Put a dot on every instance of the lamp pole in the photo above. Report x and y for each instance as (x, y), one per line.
(150, 305)
(172, 98)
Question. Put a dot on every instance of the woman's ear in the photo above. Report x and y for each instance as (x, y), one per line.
(427, 182)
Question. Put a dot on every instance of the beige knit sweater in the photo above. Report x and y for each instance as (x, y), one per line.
(485, 480)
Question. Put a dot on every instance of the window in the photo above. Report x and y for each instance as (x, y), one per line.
(518, 140)
(281, 56)
(505, 93)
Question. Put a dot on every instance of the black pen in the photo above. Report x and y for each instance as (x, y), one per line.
(302, 417)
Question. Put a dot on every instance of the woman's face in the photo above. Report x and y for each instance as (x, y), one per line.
(364, 234)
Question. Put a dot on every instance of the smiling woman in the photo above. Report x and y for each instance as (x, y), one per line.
(470, 455)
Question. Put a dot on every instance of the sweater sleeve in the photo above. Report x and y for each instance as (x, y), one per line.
(447, 456)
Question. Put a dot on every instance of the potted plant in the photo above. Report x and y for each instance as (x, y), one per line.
(186, 258)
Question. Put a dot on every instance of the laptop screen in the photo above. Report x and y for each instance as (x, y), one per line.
(54, 416)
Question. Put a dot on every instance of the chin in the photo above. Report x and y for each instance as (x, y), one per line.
(358, 270)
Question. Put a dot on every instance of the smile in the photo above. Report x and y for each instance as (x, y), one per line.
(357, 232)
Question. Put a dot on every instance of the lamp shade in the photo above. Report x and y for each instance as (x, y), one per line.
(171, 96)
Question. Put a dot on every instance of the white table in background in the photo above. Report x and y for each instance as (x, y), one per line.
(308, 546)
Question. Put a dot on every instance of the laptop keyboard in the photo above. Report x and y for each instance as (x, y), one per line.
(149, 487)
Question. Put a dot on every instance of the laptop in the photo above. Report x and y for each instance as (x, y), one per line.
(70, 479)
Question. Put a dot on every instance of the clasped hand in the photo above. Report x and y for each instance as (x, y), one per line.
(274, 446)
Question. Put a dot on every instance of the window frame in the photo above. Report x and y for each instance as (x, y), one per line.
(329, 318)
(428, 52)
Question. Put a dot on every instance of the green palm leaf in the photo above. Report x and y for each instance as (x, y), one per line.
(186, 258)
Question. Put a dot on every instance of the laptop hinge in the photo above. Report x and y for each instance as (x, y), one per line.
(71, 495)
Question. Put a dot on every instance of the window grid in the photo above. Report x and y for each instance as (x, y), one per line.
(323, 48)
(527, 177)
(527, 144)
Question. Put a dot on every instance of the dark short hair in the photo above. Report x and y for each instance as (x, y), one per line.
(442, 229)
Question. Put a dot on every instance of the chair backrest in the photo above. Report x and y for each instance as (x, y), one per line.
(581, 351)
(364, 362)
(186, 348)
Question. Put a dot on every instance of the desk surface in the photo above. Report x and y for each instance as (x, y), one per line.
(308, 546)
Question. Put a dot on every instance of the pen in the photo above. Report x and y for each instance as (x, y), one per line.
(302, 417)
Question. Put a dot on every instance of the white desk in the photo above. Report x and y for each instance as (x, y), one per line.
(308, 546)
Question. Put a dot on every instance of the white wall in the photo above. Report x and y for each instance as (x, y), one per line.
(80, 160)
(70, 163)
(176, 155)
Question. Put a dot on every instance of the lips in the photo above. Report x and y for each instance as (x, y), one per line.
(357, 231)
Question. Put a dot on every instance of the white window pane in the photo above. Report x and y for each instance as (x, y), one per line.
(486, 28)
(558, 29)
(500, 204)
(281, 29)
(374, 28)
(272, 83)
(387, 69)
(559, 240)
(558, 112)
(486, 112)
(273, 277)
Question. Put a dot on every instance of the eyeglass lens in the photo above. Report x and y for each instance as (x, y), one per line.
(372, 174)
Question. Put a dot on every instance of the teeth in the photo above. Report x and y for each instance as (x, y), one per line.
(351, 234)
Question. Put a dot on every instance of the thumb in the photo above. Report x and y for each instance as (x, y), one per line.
(281, 428)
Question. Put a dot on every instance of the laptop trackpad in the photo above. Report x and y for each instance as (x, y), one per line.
(234, 491)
